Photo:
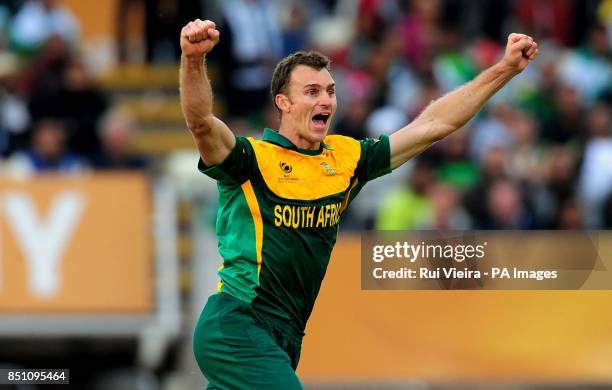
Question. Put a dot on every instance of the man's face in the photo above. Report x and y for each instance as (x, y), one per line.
(311, 103)
(49, 4)
(49, 140)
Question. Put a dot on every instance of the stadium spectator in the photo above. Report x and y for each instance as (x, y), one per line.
(48, 152)
(38, 20)
(493, 168)
(546, 18)
(492, 131)
(525, 162)
(569, 216)
(14, 116)
(352, 121)
(595, 182)
(368, 29)
(62, 88)
(43, 80)
(568, 116)
(4, 27)
(294, 31)
(560, 176)
(162, 19)
(451, 67)
(420, 32)
(587, 67)
(408, 207)
(116, 132)
(506, 208)
(82, 105)
(447, 212)
(248, 55)
(607, 213)
(453, 165)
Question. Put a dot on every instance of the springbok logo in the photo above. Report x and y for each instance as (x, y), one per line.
(327, 168)
(286, 168)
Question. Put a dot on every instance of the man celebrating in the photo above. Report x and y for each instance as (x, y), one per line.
(281, 199)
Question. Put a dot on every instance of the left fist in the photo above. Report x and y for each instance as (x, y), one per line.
(520, 50)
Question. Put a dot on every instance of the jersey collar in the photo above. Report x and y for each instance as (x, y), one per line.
(274, 137)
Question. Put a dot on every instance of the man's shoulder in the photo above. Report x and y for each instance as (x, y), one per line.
(342, 143)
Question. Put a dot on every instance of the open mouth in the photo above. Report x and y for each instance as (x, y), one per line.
(320, 120)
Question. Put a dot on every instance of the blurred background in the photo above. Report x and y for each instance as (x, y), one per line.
(107, 246)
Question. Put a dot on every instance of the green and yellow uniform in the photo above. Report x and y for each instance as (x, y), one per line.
(279, 211)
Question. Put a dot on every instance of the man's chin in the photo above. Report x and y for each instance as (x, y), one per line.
(318, 134)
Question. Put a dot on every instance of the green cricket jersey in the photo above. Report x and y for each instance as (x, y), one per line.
(279, 209)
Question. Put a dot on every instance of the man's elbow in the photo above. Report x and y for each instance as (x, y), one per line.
(438, 130)
(437, 125)
(437, 135)
(201, 126)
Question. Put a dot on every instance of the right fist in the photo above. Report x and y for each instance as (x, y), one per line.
(198, 37)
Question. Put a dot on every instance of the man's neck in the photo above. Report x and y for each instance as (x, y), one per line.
(292, 135)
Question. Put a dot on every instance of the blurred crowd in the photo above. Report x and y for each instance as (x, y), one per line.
(52, 115)
(538, 156)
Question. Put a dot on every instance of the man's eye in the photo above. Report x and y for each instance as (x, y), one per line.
(331, 92)
(312, 92)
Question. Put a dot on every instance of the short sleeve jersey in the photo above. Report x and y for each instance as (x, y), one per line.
(278, 216)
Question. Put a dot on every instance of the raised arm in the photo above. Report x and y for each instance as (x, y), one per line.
(452, 111)
(213, 138)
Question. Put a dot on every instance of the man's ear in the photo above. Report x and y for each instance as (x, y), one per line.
(282, 102)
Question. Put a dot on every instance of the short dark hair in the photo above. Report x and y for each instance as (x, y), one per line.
(282, 72)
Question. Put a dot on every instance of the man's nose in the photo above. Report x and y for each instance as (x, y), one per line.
(325, 101)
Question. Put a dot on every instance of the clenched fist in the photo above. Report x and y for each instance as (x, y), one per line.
(520, 49)
(198, 38)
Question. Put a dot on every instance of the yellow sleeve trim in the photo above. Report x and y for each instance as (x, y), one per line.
(249, 194)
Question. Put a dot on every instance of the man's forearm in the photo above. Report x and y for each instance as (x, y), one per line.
(447, 114)
(456, 108)
(196, 94)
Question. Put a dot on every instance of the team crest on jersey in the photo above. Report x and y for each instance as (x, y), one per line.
(286, 168)
(327, 168)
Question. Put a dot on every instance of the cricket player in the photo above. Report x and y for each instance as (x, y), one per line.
(281, 199)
